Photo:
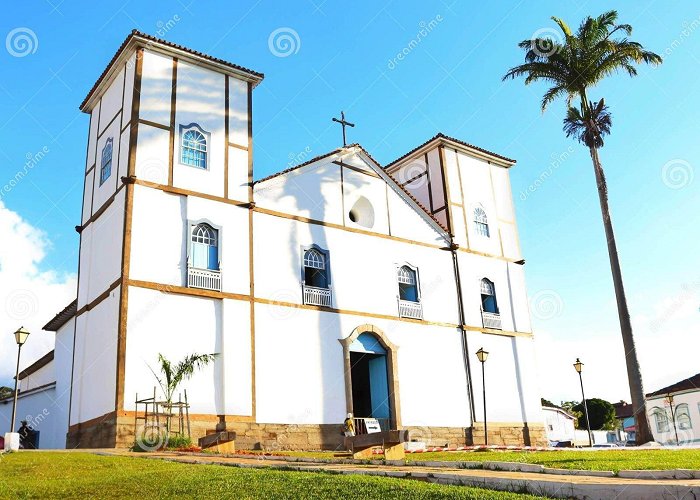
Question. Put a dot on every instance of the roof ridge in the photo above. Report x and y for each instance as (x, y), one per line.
(440, 135)
(136, 33)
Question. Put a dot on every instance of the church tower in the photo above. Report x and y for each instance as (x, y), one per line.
(166, 210)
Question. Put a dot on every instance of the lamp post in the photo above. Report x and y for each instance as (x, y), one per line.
(20, 337)
(483, 355)
(669, 400)
(578, 366)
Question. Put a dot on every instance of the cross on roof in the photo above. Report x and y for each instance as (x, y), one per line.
(343, 123)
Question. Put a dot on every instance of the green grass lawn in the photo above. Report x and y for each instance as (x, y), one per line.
(614, 460)
(82, 475)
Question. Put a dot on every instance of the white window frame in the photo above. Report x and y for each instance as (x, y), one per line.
(327, 262)
(398, 281)
(192, 224)
(109, 142)
(207, 145)
(481, 221)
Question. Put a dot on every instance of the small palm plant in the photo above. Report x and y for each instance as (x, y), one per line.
(172, 376)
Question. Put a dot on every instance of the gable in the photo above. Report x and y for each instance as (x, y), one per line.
(349, 189)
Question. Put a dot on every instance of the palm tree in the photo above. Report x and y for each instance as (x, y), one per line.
(572, 66)
(172, 376)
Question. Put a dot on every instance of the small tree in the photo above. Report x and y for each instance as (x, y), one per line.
(172, 376)
(601, 413)
(5, 392)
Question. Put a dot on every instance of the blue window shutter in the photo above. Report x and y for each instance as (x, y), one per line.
(213, 258)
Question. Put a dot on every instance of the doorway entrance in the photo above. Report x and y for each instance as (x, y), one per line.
(369, 375)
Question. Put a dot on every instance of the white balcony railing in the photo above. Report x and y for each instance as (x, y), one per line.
(317, 296)
(204, 278)
(408, 309)
(491, 320)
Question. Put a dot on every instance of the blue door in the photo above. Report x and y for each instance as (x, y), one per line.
(379, 387)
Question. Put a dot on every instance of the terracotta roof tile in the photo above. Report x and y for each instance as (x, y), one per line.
(440, 135)
(691, 383)
(160, 41)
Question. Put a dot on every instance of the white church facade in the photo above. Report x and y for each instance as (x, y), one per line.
(335, 286)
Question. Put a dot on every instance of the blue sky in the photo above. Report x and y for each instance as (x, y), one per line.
(345, 58)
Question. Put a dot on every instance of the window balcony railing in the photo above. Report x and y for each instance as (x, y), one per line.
(408, 309)
(204, 278)
(317, 296)
(491, 320)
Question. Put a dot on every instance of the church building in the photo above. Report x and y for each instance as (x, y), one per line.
(336, 286)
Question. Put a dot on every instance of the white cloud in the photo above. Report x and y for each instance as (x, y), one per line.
(29, 296)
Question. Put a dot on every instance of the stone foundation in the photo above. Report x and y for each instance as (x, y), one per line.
(110, 431)
(507, 434)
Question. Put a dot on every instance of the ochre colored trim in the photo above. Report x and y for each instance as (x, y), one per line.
(95, 302)
(38, 364)
(250, 142)
(91, 422)
(392, 372)
(187, 192)
(234, 145)
(126, 239)
(260, 300)
(491, 331)
(430, 183)
(351, 167)
(99, 135)
(498, 225)
(446, 189)
(102, 209)
(251, 276)
(226, 132)
(464, 201)
(173, 98)
(154, 124)
(182, 290)
(307, 220)
(197, 416)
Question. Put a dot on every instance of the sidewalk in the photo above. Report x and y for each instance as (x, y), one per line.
(554, 485)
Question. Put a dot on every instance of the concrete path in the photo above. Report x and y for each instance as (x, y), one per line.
(551, 485)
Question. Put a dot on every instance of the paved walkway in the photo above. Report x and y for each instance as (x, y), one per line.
(552, 485)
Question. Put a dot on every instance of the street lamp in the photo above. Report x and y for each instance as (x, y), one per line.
(20, 337)
(578, 366)
(483, 355)
(669, 400)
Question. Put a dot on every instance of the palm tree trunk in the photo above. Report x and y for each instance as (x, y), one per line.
(634, 375)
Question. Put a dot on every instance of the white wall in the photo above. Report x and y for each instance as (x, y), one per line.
(559, 427)
(94, 376)
(39, 410)
(686, 435)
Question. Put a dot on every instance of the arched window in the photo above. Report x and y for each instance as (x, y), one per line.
(661, 419)
(205, 247)
(683, 417)
(193, 149)
(106, 163)
(481, 222)
(488, 297)
(408, 284)
(315, 269)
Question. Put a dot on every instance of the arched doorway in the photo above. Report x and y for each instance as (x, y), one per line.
(371, 382)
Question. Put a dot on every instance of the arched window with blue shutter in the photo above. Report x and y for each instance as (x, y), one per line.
(408, 284)
(315, 269)
(205, 247)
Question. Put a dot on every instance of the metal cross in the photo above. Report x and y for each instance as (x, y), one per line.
(343, 123)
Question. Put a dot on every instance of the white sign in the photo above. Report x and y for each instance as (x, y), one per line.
(372, 425)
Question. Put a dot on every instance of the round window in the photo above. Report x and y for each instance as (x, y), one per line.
(362, 213)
